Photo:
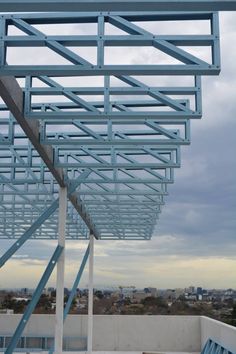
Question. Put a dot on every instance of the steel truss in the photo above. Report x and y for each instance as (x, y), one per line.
(103, 133)
(182, 61)
(129, 139)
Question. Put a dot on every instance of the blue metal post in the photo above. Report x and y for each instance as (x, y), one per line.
(60, 271)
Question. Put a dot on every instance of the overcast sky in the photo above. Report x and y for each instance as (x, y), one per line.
(195, 239)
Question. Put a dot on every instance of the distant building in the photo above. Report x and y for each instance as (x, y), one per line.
(51, 290)
(7, 311)
(140, 295)
(127, 291)
(199, 291)
(170, 294)
(179, 292)
(24, 291)
(192, 297)
(229, 294)
(152, 291)
(190, 289)
(66, 292)
(18, 299)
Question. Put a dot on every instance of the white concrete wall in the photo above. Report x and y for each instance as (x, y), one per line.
(43, 325)
(133, 333)
(144, 333)
(219, 332)
(120, 333)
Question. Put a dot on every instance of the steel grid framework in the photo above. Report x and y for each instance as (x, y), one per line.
(110, 138)
(135, 36)
(123, 136)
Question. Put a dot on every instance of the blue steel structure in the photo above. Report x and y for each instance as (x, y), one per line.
(129, 139)
(115, 144)
(211, 347)
(117, 5)
(34, 300)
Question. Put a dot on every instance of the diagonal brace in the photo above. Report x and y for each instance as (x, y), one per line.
(73, 290)
(30, 308)
(43, 217)
(12, 95)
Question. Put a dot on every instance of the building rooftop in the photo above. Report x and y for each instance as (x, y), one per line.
(89, 143)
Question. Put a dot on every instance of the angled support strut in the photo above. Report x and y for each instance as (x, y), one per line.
(73, 290)
(43, 217)
(30, 308)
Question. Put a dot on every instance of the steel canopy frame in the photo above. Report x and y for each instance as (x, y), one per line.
(13, 97)
(129, 140)
(43, 217)
(110, 148)
(183, 62)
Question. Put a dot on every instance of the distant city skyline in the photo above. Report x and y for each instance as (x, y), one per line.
(110, 288)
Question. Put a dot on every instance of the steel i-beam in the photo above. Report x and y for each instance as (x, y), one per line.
(116, 5)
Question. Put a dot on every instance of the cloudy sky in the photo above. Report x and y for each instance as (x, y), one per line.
(195, 239)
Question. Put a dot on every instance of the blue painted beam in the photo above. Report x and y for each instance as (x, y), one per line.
(116, 5)
(92, 17)
(82, 70)
(113, 90)
(109, 40)
(35, 298)
(135, 115)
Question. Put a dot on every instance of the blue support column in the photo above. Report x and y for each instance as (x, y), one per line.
(34, 300)
(90, 296)
(60, 271)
